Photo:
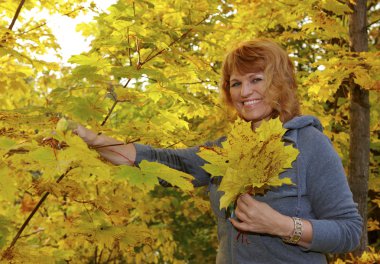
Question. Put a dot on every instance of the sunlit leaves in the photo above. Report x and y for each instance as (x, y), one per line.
(363, 67)
(250, 161)
(146, 176)
(160, 62)
(336, 7)
(135, 177)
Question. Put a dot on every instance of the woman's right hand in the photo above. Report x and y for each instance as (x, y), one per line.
(115, 151)
(85, 134)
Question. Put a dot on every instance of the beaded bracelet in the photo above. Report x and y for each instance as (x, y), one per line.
(297, 233)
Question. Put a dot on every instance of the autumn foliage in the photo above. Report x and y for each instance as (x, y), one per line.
(151, 76)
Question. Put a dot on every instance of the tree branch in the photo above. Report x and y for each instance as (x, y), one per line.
(129, 48)
(149, 58)
(33, 233)
(35, 209)
(4, 37)
(16, 15)
(373, 22)
(43, 24)
(109, 113)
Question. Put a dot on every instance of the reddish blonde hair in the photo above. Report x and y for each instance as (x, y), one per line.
(266, 56)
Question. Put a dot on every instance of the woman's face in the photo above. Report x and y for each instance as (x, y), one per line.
(247, 95)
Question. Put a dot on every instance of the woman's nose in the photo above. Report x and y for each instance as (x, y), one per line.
(246, 89)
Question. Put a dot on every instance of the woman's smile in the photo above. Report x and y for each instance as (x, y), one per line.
(247, 95)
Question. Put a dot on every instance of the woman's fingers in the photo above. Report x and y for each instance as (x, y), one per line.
(240, 225)
(241, 215)
(255, 216)
(246, 199)
(241, 204)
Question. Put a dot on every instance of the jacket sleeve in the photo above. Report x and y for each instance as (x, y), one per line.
(338, 226)
(185, 160)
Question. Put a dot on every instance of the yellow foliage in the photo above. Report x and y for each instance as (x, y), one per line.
(250, 161)
(373, 225)
(171, 100)
(368, 257)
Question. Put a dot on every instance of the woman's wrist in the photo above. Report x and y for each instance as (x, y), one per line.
(295, 235)
(285, 226)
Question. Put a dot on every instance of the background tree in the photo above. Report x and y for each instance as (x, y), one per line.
(359, 114)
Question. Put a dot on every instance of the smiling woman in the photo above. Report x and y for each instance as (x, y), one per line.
(247, 93)
(267, 73)
(294, 223)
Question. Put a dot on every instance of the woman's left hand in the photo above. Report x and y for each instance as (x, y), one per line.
(259, 217)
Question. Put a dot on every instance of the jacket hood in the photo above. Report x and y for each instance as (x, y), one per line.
(300, 122)
(303, 121)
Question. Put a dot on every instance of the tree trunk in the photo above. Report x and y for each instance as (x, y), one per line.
(359, 122)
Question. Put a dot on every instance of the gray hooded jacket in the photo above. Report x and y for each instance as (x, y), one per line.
(321, 195)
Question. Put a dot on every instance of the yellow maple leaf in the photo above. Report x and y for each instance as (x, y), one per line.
(250, 161)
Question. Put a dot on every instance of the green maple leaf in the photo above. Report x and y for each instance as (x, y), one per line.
(136, 177)
(250, 161)
(174, 177)
(146, 176)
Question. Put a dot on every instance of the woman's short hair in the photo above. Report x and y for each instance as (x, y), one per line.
(264, 55)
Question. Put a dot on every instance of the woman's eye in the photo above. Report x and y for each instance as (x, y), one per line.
(255, 80)
(235, 84)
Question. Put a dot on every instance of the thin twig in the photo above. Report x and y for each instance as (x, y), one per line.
(104, 146)
(138, 54)
(200, 82)
(125, 157)
(95, 254)
(132, 141)
(109, 256)
(129, 48)
(33, 233)
(100, 256)
(171, 145)
(149, 58)
(113, 106)
(373, 22)
(116, 58)
(43, 24)
(109, 113)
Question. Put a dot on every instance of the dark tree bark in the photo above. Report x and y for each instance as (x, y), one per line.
(358, 174)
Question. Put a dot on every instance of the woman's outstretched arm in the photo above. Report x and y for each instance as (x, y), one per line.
(113, 150)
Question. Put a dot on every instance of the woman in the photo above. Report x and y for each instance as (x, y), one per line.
(290, 224)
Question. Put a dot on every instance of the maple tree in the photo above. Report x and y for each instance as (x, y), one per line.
(151, 76)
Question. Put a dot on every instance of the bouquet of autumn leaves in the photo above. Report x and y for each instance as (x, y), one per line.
(249, 161)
